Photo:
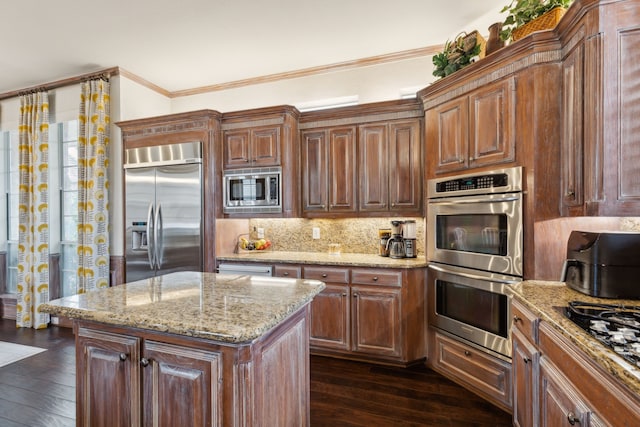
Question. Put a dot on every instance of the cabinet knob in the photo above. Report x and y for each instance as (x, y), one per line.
(461, 160)
(471, 159)
(570, 193)
(526, 359)
(375, 278)
(571, 417)
(144, 362)
(123, 356)
(355, 295)
(324, 275)
(286, 273)
(516, 319)
(344, 294)
(467, 353)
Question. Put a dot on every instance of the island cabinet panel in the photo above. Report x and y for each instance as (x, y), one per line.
(108, 379)
(473, 130)
(487, 376)
(193, 375)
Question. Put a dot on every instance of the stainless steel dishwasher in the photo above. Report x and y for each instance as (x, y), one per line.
(246, 269)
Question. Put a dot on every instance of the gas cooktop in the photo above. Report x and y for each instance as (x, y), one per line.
(616, 326)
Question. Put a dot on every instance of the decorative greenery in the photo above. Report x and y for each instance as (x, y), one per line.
(454, 56)
(523, 11)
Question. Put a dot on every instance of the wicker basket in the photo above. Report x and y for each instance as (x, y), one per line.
(546, 21)
(467, 42)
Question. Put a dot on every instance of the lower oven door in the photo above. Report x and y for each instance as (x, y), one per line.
(472, 305)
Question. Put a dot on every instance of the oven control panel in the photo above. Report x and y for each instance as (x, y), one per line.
(507, 180)
(473, 183)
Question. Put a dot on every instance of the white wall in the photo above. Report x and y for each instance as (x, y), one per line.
(371, 84)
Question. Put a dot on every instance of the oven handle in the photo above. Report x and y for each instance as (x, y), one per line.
(475, 201)
(472, 276)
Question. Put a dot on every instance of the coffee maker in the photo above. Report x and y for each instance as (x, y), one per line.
(395, 245)
(409, 235)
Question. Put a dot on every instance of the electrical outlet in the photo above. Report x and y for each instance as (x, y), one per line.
(316, 232)
(260, 233)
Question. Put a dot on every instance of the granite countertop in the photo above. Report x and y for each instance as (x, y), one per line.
(344, 259)
(227, 308)
(545, 298)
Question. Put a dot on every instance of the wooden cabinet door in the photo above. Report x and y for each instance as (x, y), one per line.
(376, 320)
(373, 160)
(492, 121)
(572, 149)
(525, 374)
(405, 170)
(342, 169)
(447, 136)
(236, 150)
(560, 405)
(315, 171)
(181, 386)
(265, 146)
(108, 385)
(330, 318)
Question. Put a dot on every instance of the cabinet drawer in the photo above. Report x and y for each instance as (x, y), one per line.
(287, 271)
(524, 321)
(331, 275)
(376, 277)
(487, 375)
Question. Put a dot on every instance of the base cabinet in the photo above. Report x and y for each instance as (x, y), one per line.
(132, 377)
(556, 384)
(485, 375)
(371, 314)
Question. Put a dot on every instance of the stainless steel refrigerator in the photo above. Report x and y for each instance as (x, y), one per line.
(163, 210)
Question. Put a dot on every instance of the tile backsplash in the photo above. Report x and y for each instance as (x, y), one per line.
(355, 235)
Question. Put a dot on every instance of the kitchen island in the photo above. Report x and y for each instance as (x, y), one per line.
(190, 348)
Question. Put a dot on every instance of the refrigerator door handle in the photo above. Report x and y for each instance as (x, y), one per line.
(150, 237)
(158, 237)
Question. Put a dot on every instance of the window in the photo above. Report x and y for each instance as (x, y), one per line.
(68, 137)
(63, 168)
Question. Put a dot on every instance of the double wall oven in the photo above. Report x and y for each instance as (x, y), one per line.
(474, 248)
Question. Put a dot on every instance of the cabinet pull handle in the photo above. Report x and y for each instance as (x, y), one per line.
(144, 362)
(123, 356)
(375, 278)
(526, 359)
(516, 319)
(571, 417)
(467, 353)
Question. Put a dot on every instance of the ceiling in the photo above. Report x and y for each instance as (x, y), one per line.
(187, 44)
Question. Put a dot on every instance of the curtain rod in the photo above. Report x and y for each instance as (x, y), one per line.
(105, 74)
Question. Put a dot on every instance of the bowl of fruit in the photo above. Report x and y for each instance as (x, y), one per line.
(246, 245)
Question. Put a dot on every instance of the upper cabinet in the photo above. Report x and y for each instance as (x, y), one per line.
(600, 140)
(364, 160)
(263, 137)
(473, 130)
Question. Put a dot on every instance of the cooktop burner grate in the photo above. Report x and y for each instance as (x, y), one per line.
(616, 326)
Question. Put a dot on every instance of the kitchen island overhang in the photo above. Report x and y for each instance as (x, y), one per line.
(237, 347)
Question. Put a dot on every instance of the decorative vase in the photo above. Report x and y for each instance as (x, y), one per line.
(494, 42)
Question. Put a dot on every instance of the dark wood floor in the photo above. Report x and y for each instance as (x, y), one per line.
(40, 390)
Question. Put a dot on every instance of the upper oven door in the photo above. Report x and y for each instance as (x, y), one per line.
(481, 232)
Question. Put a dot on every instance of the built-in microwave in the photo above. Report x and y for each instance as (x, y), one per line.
(255, 190)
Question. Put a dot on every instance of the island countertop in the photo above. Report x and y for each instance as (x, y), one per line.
(225, 308)
(547, 299)
(343, 259)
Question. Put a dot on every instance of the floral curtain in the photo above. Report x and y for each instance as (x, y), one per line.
(33, 205)
(93, 186)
